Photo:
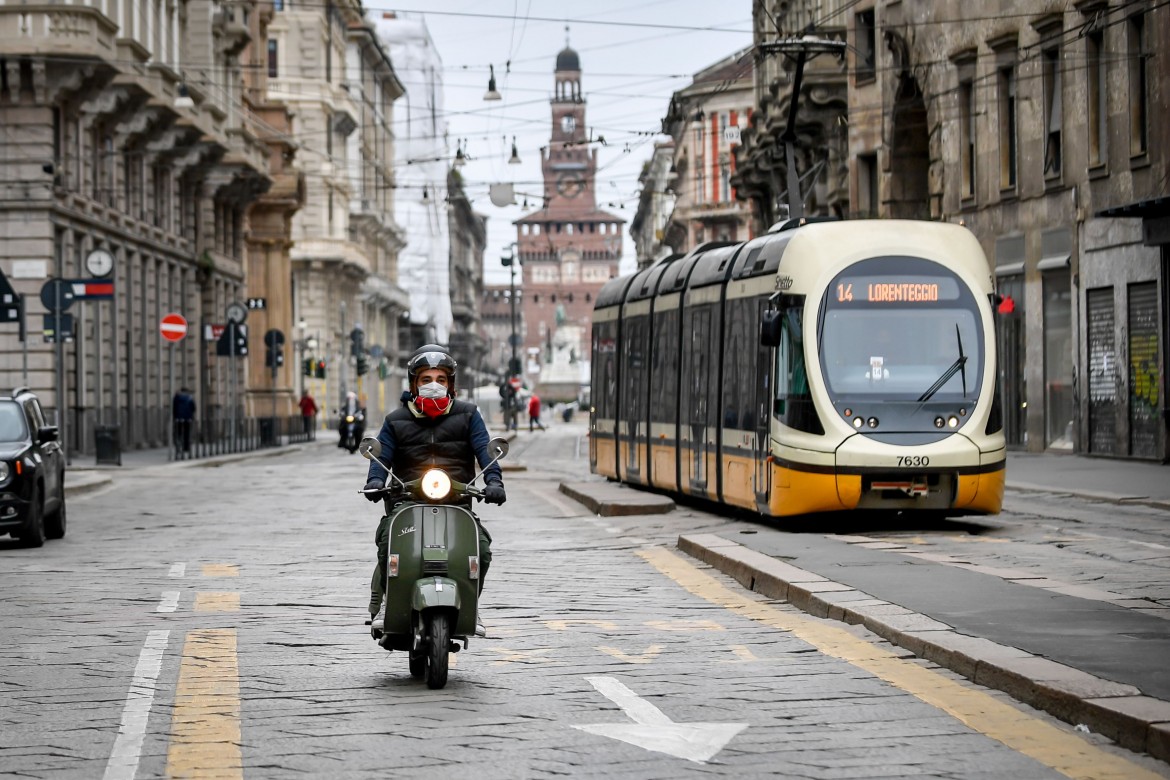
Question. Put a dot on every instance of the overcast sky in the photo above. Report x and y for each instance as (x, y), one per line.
(634, 55)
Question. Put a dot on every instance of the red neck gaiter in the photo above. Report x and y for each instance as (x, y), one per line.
(433, 407)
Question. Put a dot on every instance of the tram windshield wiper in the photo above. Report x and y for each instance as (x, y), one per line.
(960, 365)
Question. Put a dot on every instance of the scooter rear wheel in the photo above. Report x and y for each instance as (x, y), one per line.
(438, 650)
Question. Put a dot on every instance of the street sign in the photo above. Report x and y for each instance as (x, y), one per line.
(57, 294)
(257, 303)
(376, 351)
(173, 327)
(91, 289)
(236, 312)
(515, 382)
(273, 338)
(212, 330)
(58, 327)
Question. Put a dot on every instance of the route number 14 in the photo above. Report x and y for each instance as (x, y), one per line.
(844, 292)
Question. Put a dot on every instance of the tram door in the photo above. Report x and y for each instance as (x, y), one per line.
(762, 411)
(696, 411)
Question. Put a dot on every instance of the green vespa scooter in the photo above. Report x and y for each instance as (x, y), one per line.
(432, 565)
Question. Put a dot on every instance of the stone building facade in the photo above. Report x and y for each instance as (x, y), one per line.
(655, 205)
(467, 237)
(821, 129)
(128, 128)
(1040, 132)
(332, 71)
(704, 120)
(569, 248)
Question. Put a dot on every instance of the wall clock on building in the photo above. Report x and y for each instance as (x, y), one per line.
(570, 185)
(99, 263)
(568, 123)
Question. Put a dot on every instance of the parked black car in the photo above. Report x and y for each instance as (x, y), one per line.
(32, 472)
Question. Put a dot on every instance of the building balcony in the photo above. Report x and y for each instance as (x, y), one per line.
(59, 30)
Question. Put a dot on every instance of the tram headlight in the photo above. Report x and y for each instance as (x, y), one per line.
(953, 422)
(939, 422)
(873, 422)
(435, 484)
(858, 422)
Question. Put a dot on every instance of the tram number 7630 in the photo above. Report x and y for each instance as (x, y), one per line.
(913, 460)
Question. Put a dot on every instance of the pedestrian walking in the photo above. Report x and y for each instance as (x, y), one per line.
(308, 411)
(183, 414)
(534, 413)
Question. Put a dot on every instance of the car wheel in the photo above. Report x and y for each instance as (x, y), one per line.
(55, 523)
(33, 533)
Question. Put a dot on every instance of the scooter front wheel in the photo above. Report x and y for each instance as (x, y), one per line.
(439, 649)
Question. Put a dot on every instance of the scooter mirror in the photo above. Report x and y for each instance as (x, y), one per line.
(498, 447)
(370, 448)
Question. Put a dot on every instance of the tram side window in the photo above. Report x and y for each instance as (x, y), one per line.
(794, 404)
(605, 388)
(699, 365)
(664, 393)
(739, 369)
(634, 363)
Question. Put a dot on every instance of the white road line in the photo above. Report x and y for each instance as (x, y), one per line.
(123, 763)
(169, 601)
(177, 570)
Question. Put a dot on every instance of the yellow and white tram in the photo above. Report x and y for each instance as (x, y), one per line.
(821, 367)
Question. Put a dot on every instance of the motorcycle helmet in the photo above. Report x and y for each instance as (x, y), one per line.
(431, 356)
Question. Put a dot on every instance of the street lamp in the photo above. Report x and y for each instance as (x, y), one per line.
(511, 261)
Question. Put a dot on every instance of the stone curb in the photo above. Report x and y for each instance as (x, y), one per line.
(1091, 495)
(1115, 710)
(592, 495)
(88, 484)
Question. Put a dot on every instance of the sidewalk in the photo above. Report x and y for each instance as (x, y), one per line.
(1099, 479)
(1083, 660)
(84, 475)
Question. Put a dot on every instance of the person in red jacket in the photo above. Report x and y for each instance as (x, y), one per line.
(534, 412)
(308, 410)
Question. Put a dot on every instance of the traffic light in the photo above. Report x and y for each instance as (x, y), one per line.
(307, 366)
(274, 356)
(320, 369)
(234, 341)
(357, 338)
(514, 366)
(363, 365)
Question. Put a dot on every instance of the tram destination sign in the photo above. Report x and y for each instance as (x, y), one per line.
(901, 290)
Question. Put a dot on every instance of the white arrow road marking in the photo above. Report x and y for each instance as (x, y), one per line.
(697, 742)
(169, 601)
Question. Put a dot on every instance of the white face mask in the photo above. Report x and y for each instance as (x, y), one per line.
(432, 390)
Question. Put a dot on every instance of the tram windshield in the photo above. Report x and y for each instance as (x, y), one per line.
(903, 328)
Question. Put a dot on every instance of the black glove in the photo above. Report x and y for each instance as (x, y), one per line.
(494, 493)
(373, 484)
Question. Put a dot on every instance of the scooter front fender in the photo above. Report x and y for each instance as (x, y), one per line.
(435, 592)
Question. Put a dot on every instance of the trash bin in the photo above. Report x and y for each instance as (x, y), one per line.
(106, 445)
(268, 432)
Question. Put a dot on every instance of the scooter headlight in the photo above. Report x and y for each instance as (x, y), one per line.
(436, 484)
(349, 418)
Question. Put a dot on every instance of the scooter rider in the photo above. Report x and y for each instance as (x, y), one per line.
(432, 430)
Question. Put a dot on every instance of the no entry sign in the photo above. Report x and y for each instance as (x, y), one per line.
(173, 327)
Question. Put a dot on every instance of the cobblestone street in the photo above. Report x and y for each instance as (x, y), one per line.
(207, 622)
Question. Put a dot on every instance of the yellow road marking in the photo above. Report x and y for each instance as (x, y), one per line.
(643, 658)
(221, 570)
(205, 726)
(563, 625)
(217, 601)
(685, 625)
(1063, 751)
(522, 656)
(743, 655)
